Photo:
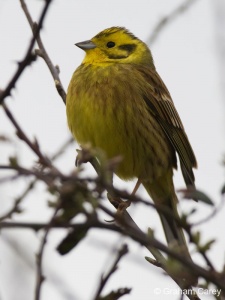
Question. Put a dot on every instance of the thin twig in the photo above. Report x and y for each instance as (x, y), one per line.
(15, 208)
(216, 210)
(21, 134)
(8, 179)
(115, 193)
(160, 259)
(29, 57)
(39, 257)
(139, 236)
(77, 226)
(162, 24)
(62, 148)
(46, 177)
(129, 226)
(34, 146)
(43, 53)
(142, 238)
(104, 279)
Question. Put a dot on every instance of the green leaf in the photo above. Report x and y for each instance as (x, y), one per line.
(13, 161)
(114, 295)
(71, 240)
(196, 237)
(223, 190)
(208, 245)
(192, 193)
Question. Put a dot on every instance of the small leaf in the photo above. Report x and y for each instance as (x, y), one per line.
(150, 233)
(71, 240)
(153, 261)
(4, 138)
(196, 237)
(223, 190)
(13, 161)
(192, 212)
(114, 295)
(208, 245)
(192, 193)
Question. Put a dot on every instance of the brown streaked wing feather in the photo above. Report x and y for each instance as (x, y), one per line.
(161, 105)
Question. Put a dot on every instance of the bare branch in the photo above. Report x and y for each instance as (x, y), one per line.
(34, 146)
(15, 208)
(38, 226)
(39, 256)
(62, 148)
(125, 217)
(29, 57)
(115, 195)
(215, 211)
(43, 53)
(104, 279)
(62, 184)
(138, 236)
(168, 19)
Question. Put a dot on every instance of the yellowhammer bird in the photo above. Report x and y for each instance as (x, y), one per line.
(117, 102)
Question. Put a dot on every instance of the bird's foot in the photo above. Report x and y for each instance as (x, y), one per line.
(119, 204)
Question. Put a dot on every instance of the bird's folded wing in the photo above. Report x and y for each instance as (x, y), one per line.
(161, 105)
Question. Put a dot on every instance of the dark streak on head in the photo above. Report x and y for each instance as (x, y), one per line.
(128, 47)
(113, 56)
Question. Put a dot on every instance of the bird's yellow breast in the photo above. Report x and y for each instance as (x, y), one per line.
(105, 107)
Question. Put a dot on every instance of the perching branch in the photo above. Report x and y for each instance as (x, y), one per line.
(126, 219)
(138, 236)
(57, 181)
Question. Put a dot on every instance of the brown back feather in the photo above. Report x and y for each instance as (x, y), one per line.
(161, 105)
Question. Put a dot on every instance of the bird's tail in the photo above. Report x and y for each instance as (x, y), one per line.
(163, 194)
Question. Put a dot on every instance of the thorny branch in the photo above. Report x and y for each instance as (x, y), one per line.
(34, 146)
(104, 279)
(16, 207)
(137, 235)
(216, 210)
(127, 225)
(39, 256)
(43, 53)
(43, 160)
(29, 57)
(100, 182)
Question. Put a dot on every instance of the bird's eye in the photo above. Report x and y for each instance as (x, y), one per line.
(110, 44)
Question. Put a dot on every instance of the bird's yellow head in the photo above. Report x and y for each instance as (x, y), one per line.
(116, 45)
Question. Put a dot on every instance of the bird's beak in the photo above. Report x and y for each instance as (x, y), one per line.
(86, 45)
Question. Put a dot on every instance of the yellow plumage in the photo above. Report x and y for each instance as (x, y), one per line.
(117, 102)
(110, 114)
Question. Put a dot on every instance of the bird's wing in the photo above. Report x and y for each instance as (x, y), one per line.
(159, 101)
